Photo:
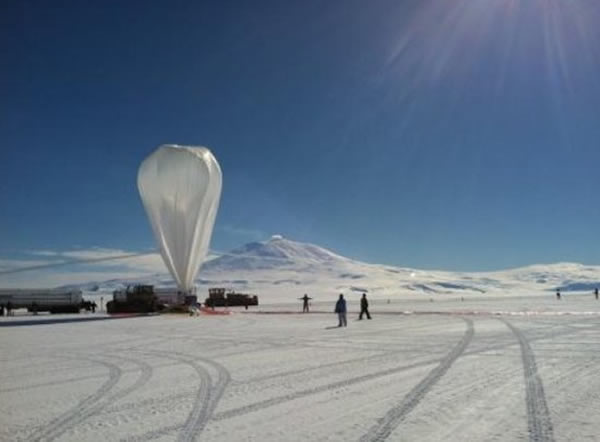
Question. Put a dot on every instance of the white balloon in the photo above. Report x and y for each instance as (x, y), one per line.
(180, 187)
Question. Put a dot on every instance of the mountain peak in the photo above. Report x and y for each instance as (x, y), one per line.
(275, 252)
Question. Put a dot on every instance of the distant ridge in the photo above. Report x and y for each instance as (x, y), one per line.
(281, 269)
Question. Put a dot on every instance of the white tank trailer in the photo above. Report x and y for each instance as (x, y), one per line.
(43, 300)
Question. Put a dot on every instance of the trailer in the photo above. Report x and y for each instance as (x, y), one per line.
(42, 300)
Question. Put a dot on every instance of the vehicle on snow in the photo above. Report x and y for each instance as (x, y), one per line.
(44, 300)
(220, 297)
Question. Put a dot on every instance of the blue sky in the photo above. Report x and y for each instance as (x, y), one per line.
(458, 135)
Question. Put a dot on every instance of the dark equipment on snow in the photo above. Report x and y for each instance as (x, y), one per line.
(136, 299)
(217, 297)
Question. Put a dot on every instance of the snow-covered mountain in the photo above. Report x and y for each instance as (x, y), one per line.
(281, 269)
(276, 253)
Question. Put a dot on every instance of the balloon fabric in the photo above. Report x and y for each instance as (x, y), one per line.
(180, 187)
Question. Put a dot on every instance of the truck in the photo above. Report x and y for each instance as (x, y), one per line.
(43, 300)
(220, 297)
(147, 298)
(134, 299)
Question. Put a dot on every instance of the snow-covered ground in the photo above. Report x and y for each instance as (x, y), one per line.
(465, 373)
(447, 356)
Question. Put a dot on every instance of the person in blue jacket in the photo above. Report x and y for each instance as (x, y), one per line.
(340, 309)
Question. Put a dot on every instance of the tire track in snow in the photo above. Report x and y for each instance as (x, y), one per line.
(539, 422)
(67, 419)
(68, 380)
(389, 353)
(396, 415)
(89, 409)
(336, 385)
(206, 399)
(273, 401)
(315, 390)
(374, 357)
(291, 396)
(257, 406)
(285, 398)
(200, 412)
(196, 421)
(205, 403)
(281, 399)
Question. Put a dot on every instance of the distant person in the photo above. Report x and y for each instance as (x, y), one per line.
(596, 293)
(364, 307)
(305, 300)
(9, 308)
(94, 305)
(34, 308)
(340, 309)
(558, 294)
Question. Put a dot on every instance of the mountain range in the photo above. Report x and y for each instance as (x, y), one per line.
(281, 269)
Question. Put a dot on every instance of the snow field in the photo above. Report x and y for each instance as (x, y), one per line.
(425, 377)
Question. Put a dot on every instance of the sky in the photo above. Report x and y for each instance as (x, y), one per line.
(459, 135)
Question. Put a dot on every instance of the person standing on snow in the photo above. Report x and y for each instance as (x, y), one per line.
(305, 300)
(340, 309)
(364, 307)
(596, 293)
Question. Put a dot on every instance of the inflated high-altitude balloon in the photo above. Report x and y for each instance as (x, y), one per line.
(180, 187)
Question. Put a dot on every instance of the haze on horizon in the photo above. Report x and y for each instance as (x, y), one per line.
(427, 134)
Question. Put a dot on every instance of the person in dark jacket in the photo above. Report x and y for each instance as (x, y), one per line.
(596, 293)
(305, 300)
(340, 309)
(364, 307)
